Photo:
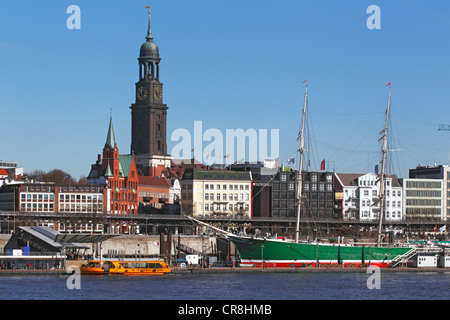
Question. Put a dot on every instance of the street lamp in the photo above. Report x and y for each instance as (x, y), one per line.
(262, 257)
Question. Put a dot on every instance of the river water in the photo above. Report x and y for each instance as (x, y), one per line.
(232, 286)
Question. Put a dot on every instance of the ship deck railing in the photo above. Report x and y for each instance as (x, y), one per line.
(411, 253)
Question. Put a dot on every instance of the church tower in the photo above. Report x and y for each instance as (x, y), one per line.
(149, 113)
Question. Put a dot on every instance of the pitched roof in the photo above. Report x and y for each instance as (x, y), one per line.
(153, 181)
(351, 179)
(125, 164)
(177, 167)
(348, 179)
(190, 174)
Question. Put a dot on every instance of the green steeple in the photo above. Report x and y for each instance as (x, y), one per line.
(110, 140)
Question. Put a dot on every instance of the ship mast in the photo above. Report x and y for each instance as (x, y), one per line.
(300, 165)
(382, 197)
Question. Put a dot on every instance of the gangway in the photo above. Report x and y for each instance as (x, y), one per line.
(403, 258)
(411, 253)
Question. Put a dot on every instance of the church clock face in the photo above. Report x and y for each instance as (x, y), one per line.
(141, 93)
(157, 94)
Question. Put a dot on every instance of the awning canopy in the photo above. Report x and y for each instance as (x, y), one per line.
(57, 239)
(83, 237)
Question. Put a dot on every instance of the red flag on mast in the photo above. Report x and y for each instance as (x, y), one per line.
(322, 165)
(388, 84)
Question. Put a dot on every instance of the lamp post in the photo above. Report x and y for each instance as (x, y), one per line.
(262, 257)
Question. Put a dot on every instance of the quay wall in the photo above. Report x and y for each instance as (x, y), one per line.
(151, 244)
(145, 245)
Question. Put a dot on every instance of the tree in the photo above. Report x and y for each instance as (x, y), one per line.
(82, 180)
(59, 176)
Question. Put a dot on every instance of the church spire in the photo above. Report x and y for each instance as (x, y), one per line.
(149, 36)
(110, 139)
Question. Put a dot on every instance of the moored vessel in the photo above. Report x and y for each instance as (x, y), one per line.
(265, 252)
(278, 253)
(126, 267)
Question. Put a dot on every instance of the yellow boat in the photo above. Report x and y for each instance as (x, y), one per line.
(144, 268)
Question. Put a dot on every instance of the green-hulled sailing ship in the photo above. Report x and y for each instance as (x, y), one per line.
(265, 252)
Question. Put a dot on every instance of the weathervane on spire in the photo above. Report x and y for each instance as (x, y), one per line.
(149, 32)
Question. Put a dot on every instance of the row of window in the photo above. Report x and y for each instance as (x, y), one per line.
(314, 178)
(283, 186)
(231, 197)
(88, 188)
(423, 193)
(306, 187)
(223, 207)
(80, 197)
(37, 196)
(81, 207)
(388, 193)
(122, 184)
(230, 187)
(118, 208)
(427, 211)
(388, 214)
(62, 197)
(43, 188)
(36, 207)
(46, 188)
(423, 202)
(154, 195)
(210, 186)
(423, 184)
(123, 196)
(368, 203)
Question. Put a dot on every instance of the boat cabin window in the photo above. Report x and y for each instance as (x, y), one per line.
(149, 265)
(94, 265)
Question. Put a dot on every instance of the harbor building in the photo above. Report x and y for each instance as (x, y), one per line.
(275, 191)
(361, 194)
(284, 193)
(436, 172)
(263, 173)
(206, 193)
(76, 200)
(319, 196)
(423, 199)
(154, 195)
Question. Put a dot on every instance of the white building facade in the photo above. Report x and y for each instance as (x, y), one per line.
(216, 193)
(361, 197)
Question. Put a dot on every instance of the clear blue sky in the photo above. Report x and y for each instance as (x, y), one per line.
(231, 64)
